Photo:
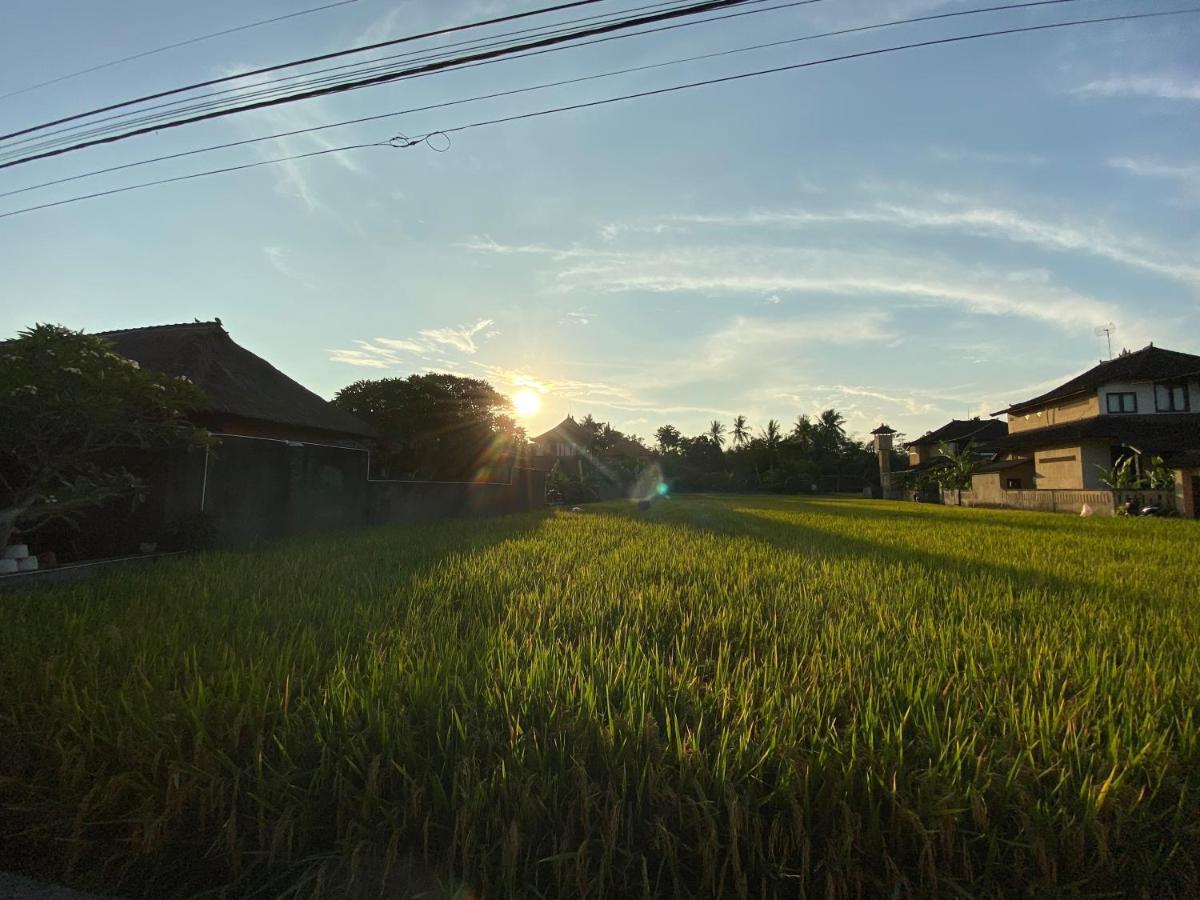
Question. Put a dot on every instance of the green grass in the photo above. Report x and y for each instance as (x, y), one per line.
(734, 697)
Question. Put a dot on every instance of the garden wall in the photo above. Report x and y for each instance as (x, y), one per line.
(1103, 503)
(254, 489)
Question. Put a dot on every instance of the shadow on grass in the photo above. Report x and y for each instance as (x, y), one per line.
(813, 536)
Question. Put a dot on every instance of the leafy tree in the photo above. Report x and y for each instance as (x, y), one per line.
(716, 433)
(740, 432)
(71, 413)
(436, 426)
(669, 438)
(960, 466)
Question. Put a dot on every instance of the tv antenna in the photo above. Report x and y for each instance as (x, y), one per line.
(1108, 331)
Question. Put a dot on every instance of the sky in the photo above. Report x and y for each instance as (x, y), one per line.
(908, 237)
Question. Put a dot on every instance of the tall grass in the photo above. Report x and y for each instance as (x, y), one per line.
(735, 697)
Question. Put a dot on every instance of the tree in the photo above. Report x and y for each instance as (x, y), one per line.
(436, 426)
(831, 424)
(802, 432)
(740, 432)
(772, 434)
(669, 438)
(71, 412)
(716, 433)
(960, 466)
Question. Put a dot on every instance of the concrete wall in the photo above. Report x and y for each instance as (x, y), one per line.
(1101, 502)
(1056, 414)
(254, 489)
(1145, 396)
(1059, 468)
(391, 502)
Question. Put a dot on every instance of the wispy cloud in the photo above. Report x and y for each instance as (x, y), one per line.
(1162, 87)
(429, 345)
(773, 271)
(461, 339)
(956, 214)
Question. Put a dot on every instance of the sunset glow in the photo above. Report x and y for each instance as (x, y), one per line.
(526, 403)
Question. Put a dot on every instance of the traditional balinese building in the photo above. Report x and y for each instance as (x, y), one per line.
(246, 395)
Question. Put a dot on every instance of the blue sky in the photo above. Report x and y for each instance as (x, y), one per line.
(905, 237)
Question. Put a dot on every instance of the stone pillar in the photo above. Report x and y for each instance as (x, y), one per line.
(883, 451)
(1185, 493)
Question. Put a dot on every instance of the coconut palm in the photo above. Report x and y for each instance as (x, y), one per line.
(716, 433)
(772, 434)
(740, 432)
(802, 431)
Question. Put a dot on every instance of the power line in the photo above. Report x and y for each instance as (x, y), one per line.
(311, 59)
(405, 142)
(543, 86)
(177, 44)
(129, 119)
(705, 6)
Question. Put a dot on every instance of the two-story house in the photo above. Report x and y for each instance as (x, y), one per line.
(1143, 403)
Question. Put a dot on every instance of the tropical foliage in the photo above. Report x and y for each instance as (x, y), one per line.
(436, 426)
(72, 412)
(814, 456)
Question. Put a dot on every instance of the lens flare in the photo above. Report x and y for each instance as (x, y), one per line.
(526, 403)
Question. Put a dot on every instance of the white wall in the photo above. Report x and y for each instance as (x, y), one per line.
(1145, 396)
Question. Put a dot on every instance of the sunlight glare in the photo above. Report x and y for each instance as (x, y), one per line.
(526, 403)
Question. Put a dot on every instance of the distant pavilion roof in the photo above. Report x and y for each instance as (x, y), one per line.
(982, 432)
(236, 381)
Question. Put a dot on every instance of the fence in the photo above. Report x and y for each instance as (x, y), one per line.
(1103, 503)
(253, 489)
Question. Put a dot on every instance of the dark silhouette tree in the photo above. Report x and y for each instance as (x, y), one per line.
(740, 432)
(716, 433)
(437, 426)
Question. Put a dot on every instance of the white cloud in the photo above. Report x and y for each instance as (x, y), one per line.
(741, 270)
(1162, 87)
(958, 215)
(461, 339)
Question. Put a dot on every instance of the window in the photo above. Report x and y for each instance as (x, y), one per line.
(1122, 403)
(1170, 398)
(1012, 484)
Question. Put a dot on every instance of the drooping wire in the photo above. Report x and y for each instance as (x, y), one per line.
(406, 142)
(194, 40)
(382, 79)
(232, 96)
(262, 70)
(544, 86)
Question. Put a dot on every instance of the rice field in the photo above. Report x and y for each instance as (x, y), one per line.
(745, 697)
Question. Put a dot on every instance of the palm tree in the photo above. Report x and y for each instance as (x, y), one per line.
(833, 422)
(740, 432)
(716, 432)
(772, 434)
(802, 431)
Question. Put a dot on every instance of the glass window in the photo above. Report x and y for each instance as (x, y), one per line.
(1122, 403)
(1171, 398)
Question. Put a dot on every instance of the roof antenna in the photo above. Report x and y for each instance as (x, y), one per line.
(1108, 331)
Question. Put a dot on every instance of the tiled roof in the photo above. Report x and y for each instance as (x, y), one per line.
(1157, 433)
(957, 431)
(1148, 364)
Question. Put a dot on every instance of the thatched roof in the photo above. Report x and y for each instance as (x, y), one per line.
(236, 381)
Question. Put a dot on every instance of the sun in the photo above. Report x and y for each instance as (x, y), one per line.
(526, 403)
